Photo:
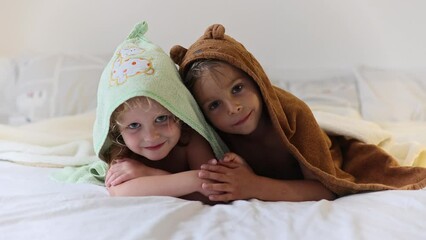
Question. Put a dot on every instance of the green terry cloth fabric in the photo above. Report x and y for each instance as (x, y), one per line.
(141, 68)
(93, 173)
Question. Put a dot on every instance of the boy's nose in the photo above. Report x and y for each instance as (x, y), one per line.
(234, 108)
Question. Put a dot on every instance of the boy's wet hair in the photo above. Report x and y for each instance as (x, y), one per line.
(197, 69)
(203, 66)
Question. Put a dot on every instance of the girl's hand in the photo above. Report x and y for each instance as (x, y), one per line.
(232, 178)
(123, 170)
(207, 192)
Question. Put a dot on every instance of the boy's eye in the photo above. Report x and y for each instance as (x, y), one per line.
(134, 125)
(212, 106)
(162, 118)
(237, 88)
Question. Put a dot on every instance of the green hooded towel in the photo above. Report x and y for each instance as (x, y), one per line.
(141, 68)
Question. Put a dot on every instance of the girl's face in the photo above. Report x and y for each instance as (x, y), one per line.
(149, 130)
(229, 99)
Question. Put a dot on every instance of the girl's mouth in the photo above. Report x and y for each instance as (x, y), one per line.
(155, 147)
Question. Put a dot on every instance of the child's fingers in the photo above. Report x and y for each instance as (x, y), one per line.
(230, 164)
(118, 180)
(214, 168)
(228, 157)
(232, 157)
(109, 177)
(107, 184)
(212, 161)
(115, 176)
(217, 187)
(219, 177)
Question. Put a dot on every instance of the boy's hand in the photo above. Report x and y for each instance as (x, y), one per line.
(231, 157)
(233, 178)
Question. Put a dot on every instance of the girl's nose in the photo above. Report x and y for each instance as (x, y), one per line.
(150, 134)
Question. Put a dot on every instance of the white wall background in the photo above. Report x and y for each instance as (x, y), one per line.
(280, 33)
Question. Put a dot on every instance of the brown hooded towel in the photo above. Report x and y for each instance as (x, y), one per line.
(343, 165)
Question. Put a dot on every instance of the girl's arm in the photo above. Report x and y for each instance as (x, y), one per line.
(126, 169)
(175, 185)
(238, 181)
(131, 179)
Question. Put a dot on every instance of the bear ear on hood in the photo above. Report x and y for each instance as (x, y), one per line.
(177, 53)
(215, 31)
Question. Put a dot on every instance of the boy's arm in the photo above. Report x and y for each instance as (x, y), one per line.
(270, 189)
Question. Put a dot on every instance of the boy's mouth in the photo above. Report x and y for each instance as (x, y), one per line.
(243, 120)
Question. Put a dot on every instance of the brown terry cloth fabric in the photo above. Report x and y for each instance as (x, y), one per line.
(345, 166)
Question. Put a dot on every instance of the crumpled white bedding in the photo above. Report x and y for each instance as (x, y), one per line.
(406, 141)
(33, 206)
(55, 142)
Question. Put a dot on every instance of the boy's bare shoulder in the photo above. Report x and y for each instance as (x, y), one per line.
(266, 155)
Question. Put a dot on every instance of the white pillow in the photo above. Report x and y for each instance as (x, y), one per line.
(7, 92)
(337, 94)
(392, 95)
(56, 85)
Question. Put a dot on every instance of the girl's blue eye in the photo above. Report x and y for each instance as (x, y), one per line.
(162, 118)
(212, 106)
(134, 125)
(237, 88)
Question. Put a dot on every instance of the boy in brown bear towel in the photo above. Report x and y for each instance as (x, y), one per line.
(279, 151)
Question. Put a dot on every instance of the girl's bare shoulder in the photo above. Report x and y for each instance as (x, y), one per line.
(198, 150)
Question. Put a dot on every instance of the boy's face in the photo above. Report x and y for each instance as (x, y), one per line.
(229, 99)
(149, 130)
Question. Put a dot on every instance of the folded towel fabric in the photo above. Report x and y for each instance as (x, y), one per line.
(93, 173)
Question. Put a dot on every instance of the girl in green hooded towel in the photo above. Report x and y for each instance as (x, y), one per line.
(148, 127)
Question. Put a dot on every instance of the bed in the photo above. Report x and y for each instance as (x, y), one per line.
(46, 128)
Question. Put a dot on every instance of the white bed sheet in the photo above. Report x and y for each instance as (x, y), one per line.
(32, 206)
